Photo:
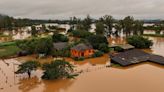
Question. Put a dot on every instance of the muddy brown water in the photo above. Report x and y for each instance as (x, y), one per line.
(145, 77)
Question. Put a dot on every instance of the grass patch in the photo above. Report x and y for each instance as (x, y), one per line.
(8, 50)
(115, 65)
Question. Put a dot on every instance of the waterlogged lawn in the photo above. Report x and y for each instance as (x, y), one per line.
(8, 50)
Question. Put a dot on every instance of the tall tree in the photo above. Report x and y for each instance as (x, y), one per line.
(118, 27)
(33, 31)
(100, 28)
(128, 25)
(138, 27)
(108, 21)
(86, 23)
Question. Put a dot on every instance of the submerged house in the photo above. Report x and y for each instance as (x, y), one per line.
(82, 50)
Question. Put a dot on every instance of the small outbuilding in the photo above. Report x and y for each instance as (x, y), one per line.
(82, 50)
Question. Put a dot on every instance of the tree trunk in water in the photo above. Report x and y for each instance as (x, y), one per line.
(29, 74)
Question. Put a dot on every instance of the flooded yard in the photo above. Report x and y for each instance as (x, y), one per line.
(145, 77)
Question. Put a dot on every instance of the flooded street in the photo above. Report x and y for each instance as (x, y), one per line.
(146, 77)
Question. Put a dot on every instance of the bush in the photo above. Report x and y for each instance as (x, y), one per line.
(60, 38)
(61, 53)
(98, 54)
(104, 48)
(139, 42)
(118, 49)
(96, 40)
(79, 58)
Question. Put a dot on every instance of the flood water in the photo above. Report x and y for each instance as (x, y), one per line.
(96, 77)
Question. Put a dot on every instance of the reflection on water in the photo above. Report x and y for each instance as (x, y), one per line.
(96, 77)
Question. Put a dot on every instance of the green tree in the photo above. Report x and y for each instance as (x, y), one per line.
(108, 21)
(28, 67)
(104, 48)
(118, 27)
(128, 25)
(33, 31)
(58, 69)
(138, 27)
(96, 40)
(100, 28)
(86, 23)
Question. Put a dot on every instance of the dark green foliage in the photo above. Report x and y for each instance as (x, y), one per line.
(59, 38)
(36, 45)
(118, 49)
(139, 42)
(79, 58)
(58, 69)
(108, 21)
(33, 31)
(98, 54)
(81, 33)
(104, 48)
(86, 23)
(96, 40)
(27, 67)
(100, 28)
(61, 53)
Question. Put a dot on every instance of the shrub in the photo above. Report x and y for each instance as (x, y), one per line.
(98, 54)
(139, 42)
(118, 49)
(61, 53)
(104, 48)
(79, 58)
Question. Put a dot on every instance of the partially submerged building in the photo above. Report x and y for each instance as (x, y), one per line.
(136, 56)
(82, 50)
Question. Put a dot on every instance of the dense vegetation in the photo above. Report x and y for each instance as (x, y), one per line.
(59, 38)
(36, 45)
(139, 42)
(96, 40)
(81, 33)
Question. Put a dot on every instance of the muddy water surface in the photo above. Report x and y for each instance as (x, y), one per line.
(146, 77)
